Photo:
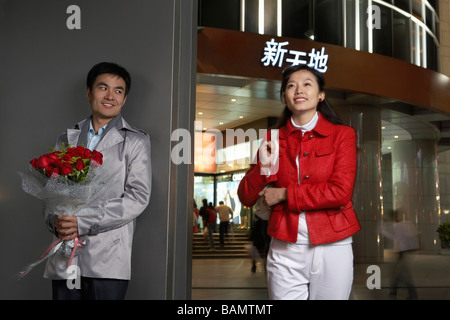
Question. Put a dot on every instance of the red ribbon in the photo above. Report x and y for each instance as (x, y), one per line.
(77, 244)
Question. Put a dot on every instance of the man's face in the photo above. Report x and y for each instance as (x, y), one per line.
(107, 96)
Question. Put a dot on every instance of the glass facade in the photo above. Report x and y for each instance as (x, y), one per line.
(402, 29)
(389, 178)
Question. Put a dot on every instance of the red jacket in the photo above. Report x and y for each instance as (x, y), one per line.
(327, 174)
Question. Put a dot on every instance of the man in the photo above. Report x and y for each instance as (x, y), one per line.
(225, 213)
(104, 261)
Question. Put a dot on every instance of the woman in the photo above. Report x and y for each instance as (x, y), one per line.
(310, 192)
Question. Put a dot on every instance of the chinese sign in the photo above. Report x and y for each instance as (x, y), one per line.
(276, 53)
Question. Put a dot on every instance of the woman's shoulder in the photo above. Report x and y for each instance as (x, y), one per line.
(345, 129)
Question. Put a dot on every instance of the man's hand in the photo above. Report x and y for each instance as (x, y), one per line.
(273, 196)
(66, 227)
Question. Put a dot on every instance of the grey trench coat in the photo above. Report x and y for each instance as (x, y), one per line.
(108, 232)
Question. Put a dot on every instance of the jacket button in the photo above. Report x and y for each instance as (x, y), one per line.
(341, 207)
(311, 136)
(306, 154)
(306, 177)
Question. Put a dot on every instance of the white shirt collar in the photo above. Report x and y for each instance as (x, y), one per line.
(307, 127)
(91, 129)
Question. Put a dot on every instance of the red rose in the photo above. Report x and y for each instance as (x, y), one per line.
(79, 165)
(67, 157)
(65, 169)
(79, 151)
(97, 158)
(52, 171)
(44, 161)
(86, 154)
(53, 156)
(33, 163)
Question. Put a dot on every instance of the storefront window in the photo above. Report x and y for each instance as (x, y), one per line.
(203, 189)
(227, 186)
(432, 54)
(401, 43)
(223, 187)
(328, 17)
(361, 35)
(219, 14)
(382, 36)
(251, 16)
(405, 5)
(297, 19)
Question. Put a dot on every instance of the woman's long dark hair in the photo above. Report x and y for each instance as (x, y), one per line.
(323, 107)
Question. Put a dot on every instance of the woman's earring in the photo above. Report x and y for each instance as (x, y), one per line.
(320, 99)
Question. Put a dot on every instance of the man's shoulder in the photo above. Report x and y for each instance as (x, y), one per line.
(129, 127)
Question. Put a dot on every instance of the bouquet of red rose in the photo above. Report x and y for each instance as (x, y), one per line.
(71, 163)
(67, 181)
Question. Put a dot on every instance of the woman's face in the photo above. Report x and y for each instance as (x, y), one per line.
(302, 93)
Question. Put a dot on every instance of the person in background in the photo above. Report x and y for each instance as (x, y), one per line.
(204, 214)
(405, 235)
(195, 215)
(209, 217)
(212, 223)
(225, 214)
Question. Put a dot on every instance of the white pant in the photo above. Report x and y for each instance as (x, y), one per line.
(324, 272)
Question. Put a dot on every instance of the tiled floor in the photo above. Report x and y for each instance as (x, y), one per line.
(232, 279)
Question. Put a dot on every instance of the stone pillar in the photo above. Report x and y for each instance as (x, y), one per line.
(415, 185)
(367, 200)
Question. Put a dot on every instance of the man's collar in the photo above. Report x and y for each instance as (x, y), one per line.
(100, 131)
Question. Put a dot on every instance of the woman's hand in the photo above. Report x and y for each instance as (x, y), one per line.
(273, 196)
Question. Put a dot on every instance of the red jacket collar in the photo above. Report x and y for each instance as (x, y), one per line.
(323, 128)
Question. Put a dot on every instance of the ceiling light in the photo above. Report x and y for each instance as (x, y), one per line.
(200, 113)
(396, 137)
(233, 100)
